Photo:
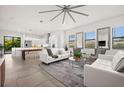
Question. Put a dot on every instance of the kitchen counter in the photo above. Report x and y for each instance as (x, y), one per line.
(17, 52)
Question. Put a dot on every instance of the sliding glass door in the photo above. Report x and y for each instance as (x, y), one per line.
(10, 42)
(16, 42)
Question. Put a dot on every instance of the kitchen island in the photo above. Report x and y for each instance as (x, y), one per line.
(21, 52)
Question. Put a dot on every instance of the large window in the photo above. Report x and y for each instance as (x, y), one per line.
(10, 42)
(118, 38)
(72, 41)
(90, 39)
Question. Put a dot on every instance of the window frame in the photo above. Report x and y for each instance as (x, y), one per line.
(81, 38)
(90, 39)
(113, 39)
(74, 41)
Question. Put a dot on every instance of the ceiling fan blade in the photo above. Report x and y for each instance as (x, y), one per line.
(50, 11)
(71, 16)
(76, 6)
(59, 6)
(78, 13)
(56, 16)
(64, 17)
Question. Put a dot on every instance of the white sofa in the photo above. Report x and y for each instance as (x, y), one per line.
(103, 72)
(45, 58)
(108, 55)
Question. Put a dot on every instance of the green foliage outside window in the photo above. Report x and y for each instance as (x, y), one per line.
(10, 42)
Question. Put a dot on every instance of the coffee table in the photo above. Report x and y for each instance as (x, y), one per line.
(76, 64)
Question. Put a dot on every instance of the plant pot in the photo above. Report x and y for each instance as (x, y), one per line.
(77, 59)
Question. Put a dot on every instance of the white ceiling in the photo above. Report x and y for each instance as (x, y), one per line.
(27, 19)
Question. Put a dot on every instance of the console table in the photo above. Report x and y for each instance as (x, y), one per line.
(28, 50)
(2, 71)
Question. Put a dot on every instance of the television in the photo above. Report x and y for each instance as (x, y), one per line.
(102, 43)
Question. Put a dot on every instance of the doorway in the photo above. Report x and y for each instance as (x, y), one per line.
(10, 42)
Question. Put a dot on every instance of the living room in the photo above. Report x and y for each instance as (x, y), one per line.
(62, 45)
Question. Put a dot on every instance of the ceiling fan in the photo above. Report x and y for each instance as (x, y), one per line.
(66, 9)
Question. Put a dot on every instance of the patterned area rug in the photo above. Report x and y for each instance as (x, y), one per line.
(63, 72)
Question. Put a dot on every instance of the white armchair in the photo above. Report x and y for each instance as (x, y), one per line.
(102, 72)
(106, 57)
(96, 77)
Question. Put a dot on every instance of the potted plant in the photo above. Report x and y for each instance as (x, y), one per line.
(77, 55)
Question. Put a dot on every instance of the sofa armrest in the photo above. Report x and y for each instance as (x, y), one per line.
(95, 77)
(105, 57)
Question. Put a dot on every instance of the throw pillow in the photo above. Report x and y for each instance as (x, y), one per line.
(49, 52)
(120, 66)
(117, 58)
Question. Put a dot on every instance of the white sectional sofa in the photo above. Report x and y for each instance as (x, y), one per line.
(104, 72)
(45, 58)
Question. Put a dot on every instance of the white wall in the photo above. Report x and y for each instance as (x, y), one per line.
(111, 22)
(56, 38)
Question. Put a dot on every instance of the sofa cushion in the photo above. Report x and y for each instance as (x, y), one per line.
(102, 64)
(54, 51)
(49, 52)
(60, 52)
(116, 59)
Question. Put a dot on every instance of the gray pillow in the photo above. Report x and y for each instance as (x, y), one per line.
(49, 52)
(120, 66)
